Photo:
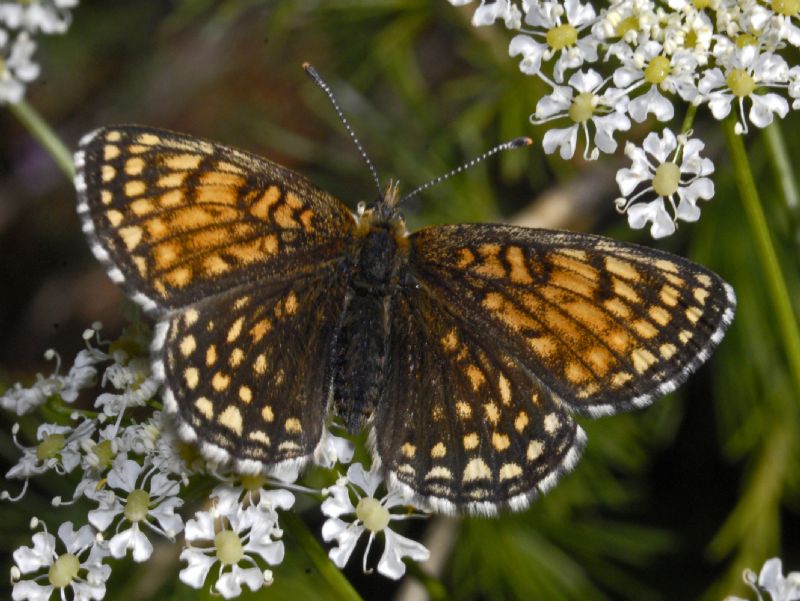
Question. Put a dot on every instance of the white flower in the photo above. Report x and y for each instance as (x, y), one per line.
(47, 16)
(747, 70)
(133, 378)
(583, 102)
(370, 514)
(690, 31)
(333, 449)
(16, 66)
(142, 498)
(491, 10)
(772, 581)
(556, 29)
(234, 536)
(671, 169)
(630, 22)
(794, 86)
(650, 66)
(79, 567)
(58, 450)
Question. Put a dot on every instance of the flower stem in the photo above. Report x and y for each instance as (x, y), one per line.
(688, 119)
(782, 164)
(765, 250)
(44, 134)
(338, 585)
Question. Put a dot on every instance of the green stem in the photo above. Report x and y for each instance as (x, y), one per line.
(338, 585)
(688, 119)
(45, 135)
(782, 164)
(765, 250)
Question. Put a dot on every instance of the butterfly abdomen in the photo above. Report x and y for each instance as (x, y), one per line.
(377, 261)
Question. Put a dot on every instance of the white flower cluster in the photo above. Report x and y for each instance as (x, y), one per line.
(771, 580)
(132, 472)
(725, 54)
(20, 21)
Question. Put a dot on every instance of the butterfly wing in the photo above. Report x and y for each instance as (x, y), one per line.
(604, 325)
(174, 218)
(239, 259)
(248, 371)
(464, 426)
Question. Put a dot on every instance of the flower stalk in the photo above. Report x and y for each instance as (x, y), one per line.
(44, 134)
(340, 587)
(765, 250)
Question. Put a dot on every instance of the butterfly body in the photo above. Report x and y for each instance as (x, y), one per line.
(465, 349)
(375, 268)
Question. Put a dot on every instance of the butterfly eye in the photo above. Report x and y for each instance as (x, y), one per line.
(361, 207)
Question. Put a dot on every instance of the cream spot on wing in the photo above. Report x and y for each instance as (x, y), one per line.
(463, 410)
(245, 394)
(114, 217)
(293, 426)
(667, 350)
(700, 295)
(188, 345)
(439, 472)
(236, 357)
(438, 450)
(659, 315)
(475, 376)
(259, 436)
(406, 469)
(535, 448)
(669, 295)
(113, 136)
(220, 381)
(685, 336)
(500, 441)
(505, 389)
(107, 173)
(190, 317)
(110, 152)
(205, 407)
(135, 188)
(642, 359)
(521, 421)
(509, 471)
(192, 377)
(693, 314)
(622, 268)
(471, 441)
(211, 355)
(231, 418)
(703, 279)
(131, 236)
(260, 364)
(476, 470)
(183, 162)
(408, 450)
(551, 423)
(620, 378)
(235, 329)
(266, 413)
(134, 166)
(492, 412)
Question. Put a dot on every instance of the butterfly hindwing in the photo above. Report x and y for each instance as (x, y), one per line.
(174, 217)
(247, 372)
(604, 325)
(463, 425)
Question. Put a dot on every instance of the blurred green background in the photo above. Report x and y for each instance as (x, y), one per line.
(668, 503)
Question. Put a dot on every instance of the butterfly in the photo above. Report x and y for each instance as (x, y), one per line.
(466, 349)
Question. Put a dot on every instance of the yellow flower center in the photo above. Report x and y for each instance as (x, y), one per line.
(626, 25)
(787, 8)
(582, 108)
(50, 446)
(64, 570)
(137, 505)
(229, 547)
(252, 483)
(104, 452)
(562, 36)
(667, 179)
(746, 39)
(374, 515)
(658, 70)
(740, 82)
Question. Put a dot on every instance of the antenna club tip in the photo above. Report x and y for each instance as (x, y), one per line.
(308, 67)
(519, 142)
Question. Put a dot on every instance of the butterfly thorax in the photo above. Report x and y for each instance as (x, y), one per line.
(376, 267)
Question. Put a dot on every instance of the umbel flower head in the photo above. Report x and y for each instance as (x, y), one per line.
(368, 514)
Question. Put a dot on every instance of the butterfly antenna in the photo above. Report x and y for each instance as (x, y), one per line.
(313, 74)
(515, 143)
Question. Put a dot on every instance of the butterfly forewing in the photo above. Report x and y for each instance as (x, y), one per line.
(603, 324)
(175, 217)
(463, 425)
(248, 371)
